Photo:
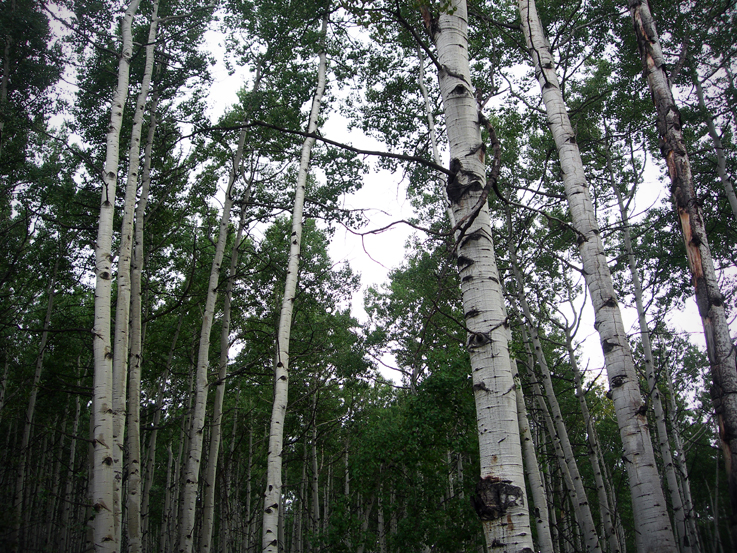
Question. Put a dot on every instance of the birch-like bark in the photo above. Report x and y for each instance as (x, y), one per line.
(574, 482)
(167, 514)
(539, 498)
(709, 299)
(684, 542)
(680, 460)
(594, 450)
(208, 491)
(20, 481)
(716, 141)
(273, 495)
(506, 522)
(136, 348)
(102, 482)
(122, 315)
(194, 456)
(652, 524)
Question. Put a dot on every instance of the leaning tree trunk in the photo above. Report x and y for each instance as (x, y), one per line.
(500, 499)
(532, 468)
(273, 495)
(652, 524)
(709, 299)
(194, 456)
(20, 482)
(685, 542)
(560, 432)
(102, 478)
(716, 142)
(208, 501)
(122, 312)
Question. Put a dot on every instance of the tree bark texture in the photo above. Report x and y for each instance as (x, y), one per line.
(273, 493)
(102, 483)
(709, 299)
(122, 314)
(500, 499)
(652, 523)
(208, 491)
(716, 141)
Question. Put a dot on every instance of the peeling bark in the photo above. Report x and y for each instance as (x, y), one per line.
(709, 299)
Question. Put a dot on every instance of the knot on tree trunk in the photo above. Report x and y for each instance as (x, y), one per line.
(493, 497)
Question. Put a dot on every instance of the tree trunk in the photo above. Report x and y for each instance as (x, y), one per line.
(502, 473)
(560, 432)
(540, 501)
(716, 142)
(208, 502)
(102, 482)
(191, 482)
(652, 523)
(709, 299)
(20, 482)
(122, 313)
(273, 494)
(684, 543)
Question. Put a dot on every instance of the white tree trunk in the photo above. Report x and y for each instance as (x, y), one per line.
(652, 523)
(709, 299)
(194, 456)
(122, 313)
(208, 491)
(717, 143)
(500, 499)
(560, 432)
(685, 544)
(102, 482)
(273, 495)
(539, 497)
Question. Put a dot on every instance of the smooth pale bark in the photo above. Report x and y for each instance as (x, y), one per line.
(680, 460)
(594, 450)
(166, 516)
(208, 491)
(685, 542)
(709, 299)
(539, 498)
(273, 493)
(122, 315)
(574, 482)
(20, 481)
(506, 522)
(652, 524)
(102, 483)
(716, 141)
(136, 341)
(192, 473)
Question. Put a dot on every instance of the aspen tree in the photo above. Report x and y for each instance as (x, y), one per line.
(273, 509)
(208, 492)
(652, 524)
(709, 299)
(122, 317)
(539, 497)
(102, 481)
(20, 490)
(197, 425)
(500, 499)
(685, 542)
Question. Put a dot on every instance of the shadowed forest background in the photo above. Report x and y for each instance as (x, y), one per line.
(165, 274)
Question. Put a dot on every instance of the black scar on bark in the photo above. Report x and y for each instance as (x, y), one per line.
(493, 497)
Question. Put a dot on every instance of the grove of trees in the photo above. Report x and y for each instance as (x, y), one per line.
(181, 366)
